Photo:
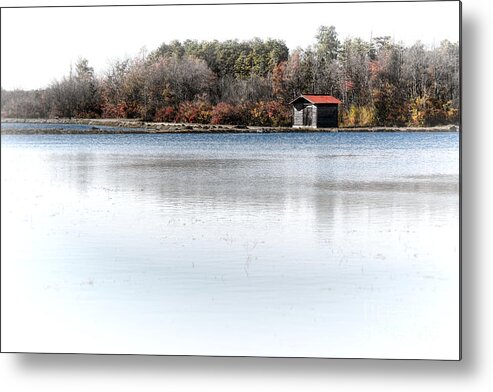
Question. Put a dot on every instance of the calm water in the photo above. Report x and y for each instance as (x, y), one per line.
(339, 245)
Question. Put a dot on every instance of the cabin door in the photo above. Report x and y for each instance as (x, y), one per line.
(307, 116)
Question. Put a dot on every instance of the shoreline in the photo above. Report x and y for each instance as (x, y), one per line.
(129, 126)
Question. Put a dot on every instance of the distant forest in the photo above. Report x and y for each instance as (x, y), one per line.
(252, 82)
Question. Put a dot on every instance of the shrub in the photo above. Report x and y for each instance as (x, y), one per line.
(226, 113)
(167, 114)
(198, 111)
(426, 111)
(110, 110)
(260, 114)
(271, 114)
(359, 116)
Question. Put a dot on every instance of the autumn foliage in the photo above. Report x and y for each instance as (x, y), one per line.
(380, 83)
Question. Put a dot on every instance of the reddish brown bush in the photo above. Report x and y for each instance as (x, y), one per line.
(110, 110)
(167, 114)
(226, 113)
(270, 114)
(198, 111)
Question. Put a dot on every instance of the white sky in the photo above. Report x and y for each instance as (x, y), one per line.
(39, 44)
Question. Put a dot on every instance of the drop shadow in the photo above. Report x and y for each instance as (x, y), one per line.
(470, 198)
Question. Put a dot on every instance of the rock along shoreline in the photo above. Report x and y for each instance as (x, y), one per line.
(126, 126)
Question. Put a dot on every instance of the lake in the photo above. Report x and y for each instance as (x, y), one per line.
(299, 244)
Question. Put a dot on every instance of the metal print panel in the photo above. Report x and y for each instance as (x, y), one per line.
(232, 180)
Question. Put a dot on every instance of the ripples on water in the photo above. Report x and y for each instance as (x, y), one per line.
(339, 245)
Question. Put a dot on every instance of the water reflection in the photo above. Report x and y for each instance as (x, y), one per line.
(252, 181)
(277, 245)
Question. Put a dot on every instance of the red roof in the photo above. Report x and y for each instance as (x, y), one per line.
(321, 98)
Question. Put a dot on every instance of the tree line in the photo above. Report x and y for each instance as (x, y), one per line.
(380, 82)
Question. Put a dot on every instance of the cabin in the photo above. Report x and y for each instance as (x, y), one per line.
(315, 111)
